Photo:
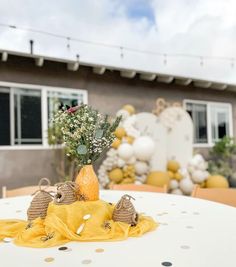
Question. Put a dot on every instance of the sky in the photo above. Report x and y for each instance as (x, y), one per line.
(172, 29)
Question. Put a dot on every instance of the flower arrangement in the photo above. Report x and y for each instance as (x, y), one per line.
(86, 133)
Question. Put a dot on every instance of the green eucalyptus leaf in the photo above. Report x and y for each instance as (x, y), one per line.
(82, 149)
(99, 133)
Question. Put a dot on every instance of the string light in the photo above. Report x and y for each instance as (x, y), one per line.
(121, 48)
(68, 43)
(201, 61)
(121, 52)
(232, 63)
(165, 59)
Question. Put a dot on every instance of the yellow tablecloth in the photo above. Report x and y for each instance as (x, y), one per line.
(62, 222)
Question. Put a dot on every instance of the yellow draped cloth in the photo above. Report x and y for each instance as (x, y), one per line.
(62, 221)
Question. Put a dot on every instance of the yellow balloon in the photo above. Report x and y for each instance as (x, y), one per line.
(158, 178)
(128, 181)
(116, 143)
(116, 175)
(129, 108)
(178, 176)
(120, 132)
(173, 165)
(217, 181)
(203, 184)
(129, 139)
(129, 171)
(171, 174)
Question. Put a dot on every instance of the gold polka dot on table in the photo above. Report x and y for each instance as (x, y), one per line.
(99, 250)
(49, 259)
(86, 261)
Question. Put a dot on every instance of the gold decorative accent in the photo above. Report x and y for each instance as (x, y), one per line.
(162, 104)
(49, 259)
(86, 261)
(99, 250)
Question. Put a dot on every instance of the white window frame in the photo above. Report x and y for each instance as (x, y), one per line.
(209, 133)
(44, 110)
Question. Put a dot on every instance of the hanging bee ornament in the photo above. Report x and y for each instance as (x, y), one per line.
(124, 211)
(39, 205)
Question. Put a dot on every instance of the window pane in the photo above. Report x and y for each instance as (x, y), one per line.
(4, 116)
(219, 122)
(28, 125)
(56, 100)
(198, 113)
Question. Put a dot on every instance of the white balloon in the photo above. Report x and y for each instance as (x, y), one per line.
(141, 167)
(141, 178)
(123, 113)
(184, 172)
(125, 151)
(186, 185)
(196, 160)
(202, 166)
(120, 163)
(199, 176)
(191, 168)
(131, 161)
(144, 148)
(177, 192)
(138, 182)
(173, 184)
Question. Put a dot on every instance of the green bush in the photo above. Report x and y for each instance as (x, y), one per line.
(221, 157)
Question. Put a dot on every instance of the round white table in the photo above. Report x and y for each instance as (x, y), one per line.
(192, 233)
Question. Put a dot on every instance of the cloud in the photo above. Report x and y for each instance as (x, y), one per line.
(197, 27)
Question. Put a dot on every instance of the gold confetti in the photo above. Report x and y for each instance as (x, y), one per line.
(87, 216)
(49, 259)
(86, 261)
(99, 250)
(80, 229)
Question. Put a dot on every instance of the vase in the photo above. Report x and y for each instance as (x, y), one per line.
(88, 183)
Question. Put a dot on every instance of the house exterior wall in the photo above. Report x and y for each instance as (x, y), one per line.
(107, 92)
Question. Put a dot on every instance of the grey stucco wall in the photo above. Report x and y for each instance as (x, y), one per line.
(106, 92)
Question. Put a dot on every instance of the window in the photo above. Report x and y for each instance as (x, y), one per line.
(25, 113)
(211, 120)
(56, 100)
(198, 112)
(27, 116)
(219, 122)
(4, 116)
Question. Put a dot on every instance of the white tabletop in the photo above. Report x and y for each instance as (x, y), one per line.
(192, 233)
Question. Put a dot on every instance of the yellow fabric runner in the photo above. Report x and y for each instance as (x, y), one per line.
(62, 222)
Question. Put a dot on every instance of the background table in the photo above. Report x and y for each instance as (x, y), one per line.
(192, 233)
